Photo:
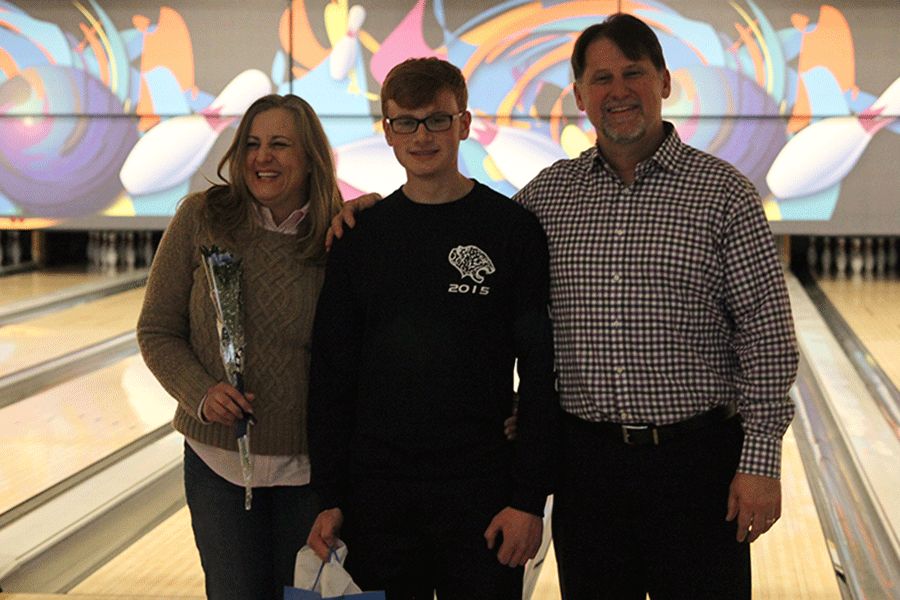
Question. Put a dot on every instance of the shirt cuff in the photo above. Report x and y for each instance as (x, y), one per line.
(200, 411)
(761, 455)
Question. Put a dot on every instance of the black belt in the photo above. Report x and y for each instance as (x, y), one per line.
(640, 435)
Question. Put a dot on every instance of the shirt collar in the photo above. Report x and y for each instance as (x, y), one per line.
(669, 154)
(288, 226)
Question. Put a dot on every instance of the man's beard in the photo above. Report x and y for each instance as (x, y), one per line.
(613, 135)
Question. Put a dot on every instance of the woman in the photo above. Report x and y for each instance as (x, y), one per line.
(273, 216)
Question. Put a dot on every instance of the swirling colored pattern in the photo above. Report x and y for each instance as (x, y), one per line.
(57, 159)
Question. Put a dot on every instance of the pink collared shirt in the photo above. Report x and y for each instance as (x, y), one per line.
(288, 226)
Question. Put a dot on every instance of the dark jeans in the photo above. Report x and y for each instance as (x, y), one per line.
(632, 520)
(411, 539)
(246, 555)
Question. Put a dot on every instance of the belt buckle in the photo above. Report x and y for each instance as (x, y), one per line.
(626, 433)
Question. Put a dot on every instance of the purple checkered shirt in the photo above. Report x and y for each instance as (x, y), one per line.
(668, 295)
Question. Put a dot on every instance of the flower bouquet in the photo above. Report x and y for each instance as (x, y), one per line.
(224, 276)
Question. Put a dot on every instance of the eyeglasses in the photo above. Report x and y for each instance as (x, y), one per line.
(434, 123)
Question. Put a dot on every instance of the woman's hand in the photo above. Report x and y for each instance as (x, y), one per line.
(225, 405)
(345, 217)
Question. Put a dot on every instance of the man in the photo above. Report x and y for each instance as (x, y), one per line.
(426, 306)
(674, 339)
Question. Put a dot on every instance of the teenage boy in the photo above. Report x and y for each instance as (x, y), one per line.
(427, 305)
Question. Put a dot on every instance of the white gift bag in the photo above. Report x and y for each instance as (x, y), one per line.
(328, 579)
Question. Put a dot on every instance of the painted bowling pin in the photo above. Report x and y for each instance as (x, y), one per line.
(172, 151)
(519, 154)
(345, 51)
(369, 165)
(822, 154)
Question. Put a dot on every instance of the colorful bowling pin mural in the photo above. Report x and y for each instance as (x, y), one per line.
(102, 117)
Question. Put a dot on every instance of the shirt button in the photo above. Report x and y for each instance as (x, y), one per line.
(620, 232)
(620, 370)
(616, 278)
(617, 323)
(623, 414)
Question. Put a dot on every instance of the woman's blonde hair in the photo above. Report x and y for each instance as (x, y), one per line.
(228, 206)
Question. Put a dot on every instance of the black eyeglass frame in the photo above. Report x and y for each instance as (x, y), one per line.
(390, 122)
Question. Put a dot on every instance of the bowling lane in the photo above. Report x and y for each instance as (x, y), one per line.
(791, 562)
(870, 307)
(70, 427)
(860, 482)
(25, 344)
(57, 433)
(24, 286)
(164, 563)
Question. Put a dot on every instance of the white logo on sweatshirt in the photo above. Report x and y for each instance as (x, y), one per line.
(472, 262)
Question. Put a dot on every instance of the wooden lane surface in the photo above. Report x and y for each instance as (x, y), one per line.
(23, 286)
(871, 307)
(162, 564)
(23, 345)
(791, 562)
(16, 596)
(56, 433)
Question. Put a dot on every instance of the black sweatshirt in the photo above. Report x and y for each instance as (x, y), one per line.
(423, 313)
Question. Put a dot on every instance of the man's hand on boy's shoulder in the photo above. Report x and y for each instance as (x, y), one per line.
(345, 217)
